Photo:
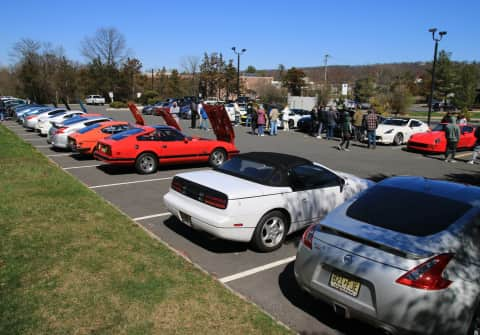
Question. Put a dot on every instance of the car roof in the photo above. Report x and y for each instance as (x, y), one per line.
(441, 188)
(275, 159)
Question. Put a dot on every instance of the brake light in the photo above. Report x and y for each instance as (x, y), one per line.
(215, 201)
(177, 185)
(307, 237)
(61, 130)
(30, 117)
(428, 275)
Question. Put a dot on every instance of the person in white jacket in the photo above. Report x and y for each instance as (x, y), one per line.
(285, 114)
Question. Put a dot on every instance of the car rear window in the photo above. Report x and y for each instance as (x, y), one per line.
(87, 129)
(247, 169)
(405, 211)
(126, 133)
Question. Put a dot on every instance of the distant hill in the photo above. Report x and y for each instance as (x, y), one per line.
(337, 74)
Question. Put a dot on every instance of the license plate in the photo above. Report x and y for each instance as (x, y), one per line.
(187, 219)
(346, 285)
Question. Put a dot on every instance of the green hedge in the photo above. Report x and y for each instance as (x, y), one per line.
(118, 104)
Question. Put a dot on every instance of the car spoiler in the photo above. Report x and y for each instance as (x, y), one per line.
(169, 120)
(220, 122)
(136, 114)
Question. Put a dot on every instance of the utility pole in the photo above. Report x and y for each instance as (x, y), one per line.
(325, 60)
(238, 53)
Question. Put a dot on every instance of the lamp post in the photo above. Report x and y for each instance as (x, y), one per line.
(432, 87)
(238, 53)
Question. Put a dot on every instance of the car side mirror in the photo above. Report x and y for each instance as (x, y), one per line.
(341, 183)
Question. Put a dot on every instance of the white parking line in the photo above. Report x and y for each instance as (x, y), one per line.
(130, 182)
(151, 216)
(257, 270)
(81, 167)
(43, 146)
(60, 155)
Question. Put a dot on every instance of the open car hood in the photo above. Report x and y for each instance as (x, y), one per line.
(221, 124)
(136, 114)
(169, 120)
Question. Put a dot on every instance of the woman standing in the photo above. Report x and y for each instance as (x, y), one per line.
(261, 121)
(285, 114)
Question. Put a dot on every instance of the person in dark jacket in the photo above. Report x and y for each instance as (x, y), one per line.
(371, 125)
(314, 123)
(331, 122)
(193, 113)
(452, 134)
(345, 123)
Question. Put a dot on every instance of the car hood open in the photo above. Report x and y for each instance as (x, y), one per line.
(221, 124)
(136, 114)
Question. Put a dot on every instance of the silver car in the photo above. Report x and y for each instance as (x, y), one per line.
(403, 255)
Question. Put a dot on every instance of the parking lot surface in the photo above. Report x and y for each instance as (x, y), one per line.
(264, 278)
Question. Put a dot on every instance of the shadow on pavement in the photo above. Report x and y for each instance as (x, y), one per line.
(465, 178)
(203, 239)
(318, 309)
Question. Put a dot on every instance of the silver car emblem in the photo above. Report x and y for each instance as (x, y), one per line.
(347, 259)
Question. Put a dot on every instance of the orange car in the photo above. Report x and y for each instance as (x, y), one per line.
(85, 140)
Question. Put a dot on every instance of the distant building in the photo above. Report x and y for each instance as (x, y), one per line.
(253, 83)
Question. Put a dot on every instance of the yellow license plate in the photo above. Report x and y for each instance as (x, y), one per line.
(346, 285)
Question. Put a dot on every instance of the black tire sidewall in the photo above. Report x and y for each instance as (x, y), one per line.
(257, 242)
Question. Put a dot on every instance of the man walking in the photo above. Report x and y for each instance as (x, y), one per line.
(193, 113)
(452, 134)
(331, 122)
(346, 128)
(371, 124)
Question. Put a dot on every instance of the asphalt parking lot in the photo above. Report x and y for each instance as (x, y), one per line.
(265, 278)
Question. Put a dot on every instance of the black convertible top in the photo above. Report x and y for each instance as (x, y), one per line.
(276, 175)
(275, 159)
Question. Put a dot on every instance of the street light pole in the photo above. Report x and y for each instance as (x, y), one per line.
(432, 86)
(238, 53)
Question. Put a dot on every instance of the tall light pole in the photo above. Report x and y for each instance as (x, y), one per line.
(325, 60)
(238, 53)
(432, 87)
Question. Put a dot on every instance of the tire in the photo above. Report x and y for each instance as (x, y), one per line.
(217, 157)
(398, 139)
(474, 328)
(291, 124)
(270, 232)
(146, 163)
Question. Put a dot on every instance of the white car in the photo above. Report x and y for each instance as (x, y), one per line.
(59, 139)
(95, 100)
(259, 197)
(293, 116)
(399, 130)
(45, 123)
(30, 122)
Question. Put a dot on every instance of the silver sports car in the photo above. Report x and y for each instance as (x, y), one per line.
(404, 256)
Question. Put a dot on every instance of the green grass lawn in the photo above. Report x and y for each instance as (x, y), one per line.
(70, 263)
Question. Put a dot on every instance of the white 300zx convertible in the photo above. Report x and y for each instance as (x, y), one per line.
(259, 197)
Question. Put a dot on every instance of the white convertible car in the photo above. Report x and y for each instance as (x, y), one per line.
(259, 197)
(399, 130)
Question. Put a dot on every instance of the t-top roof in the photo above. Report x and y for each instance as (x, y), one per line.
(274, 159)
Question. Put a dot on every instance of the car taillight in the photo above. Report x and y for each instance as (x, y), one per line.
(60, 130)
(428, 275)
(215, 201)
(177, 185)
(307, 237)
(30, 117)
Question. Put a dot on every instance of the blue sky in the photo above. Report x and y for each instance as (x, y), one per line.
(294, 33)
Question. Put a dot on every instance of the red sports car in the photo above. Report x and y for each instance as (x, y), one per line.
(148, 146)
(434, 141)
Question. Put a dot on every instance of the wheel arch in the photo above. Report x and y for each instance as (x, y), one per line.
(284, 212)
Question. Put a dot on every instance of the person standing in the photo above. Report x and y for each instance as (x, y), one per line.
(2, 111)
(254, 120)
(322, 120)
(193, 113)
(274, 114)
(285, 118)
(371, 125)
(261, 120)
(174, 111)
(462, 120)
(204, 118)
(346, 129)
(357, 124)
(452, 134)
(331, 122)
(476, 148)
(236, 109)
(314, 123)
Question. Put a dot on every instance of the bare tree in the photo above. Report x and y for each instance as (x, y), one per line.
(25, 48)
(190, 65)
(107, 45)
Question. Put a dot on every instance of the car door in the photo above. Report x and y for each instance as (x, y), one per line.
(467, 139)
(174, 147)
(316, 192)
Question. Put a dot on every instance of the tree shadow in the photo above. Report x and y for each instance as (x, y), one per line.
(203, 239)
(318, 309)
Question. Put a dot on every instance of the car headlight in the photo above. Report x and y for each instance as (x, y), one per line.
(389, 131)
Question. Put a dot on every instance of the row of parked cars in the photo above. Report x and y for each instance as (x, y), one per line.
(401, 254)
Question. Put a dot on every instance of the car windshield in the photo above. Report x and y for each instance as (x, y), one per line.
(126, 133)
(439, 127)
(419, 213)
(395, 122)
(247, 169)
(89, 128)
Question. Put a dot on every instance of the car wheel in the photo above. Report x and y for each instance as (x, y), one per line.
(270, 232)
(217, 157)
(398, 139)
(475, 325)
(290, 124)
(146, 163)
